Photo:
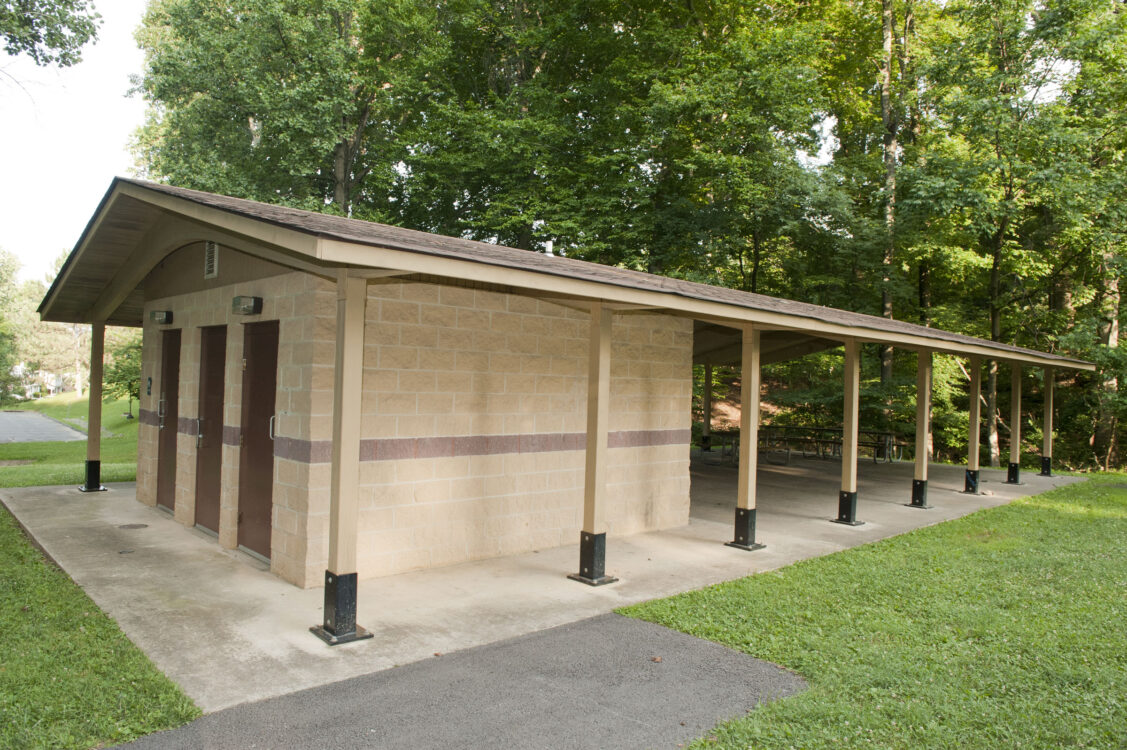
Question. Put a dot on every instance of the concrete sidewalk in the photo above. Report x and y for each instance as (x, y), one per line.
(229, 632)
(603, 682)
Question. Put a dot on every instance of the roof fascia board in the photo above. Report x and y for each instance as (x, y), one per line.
(339, 251)
(374, 273)
(730, 355)
(765, 347)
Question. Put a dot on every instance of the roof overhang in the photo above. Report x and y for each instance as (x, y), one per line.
(138, 224)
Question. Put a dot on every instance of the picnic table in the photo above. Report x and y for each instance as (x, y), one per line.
(778, 443)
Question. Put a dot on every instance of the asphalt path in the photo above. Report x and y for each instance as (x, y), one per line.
(608, 681)
(33, 427)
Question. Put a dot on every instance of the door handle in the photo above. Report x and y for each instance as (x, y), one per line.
(270, 426)
(160, 414)
(199, 432)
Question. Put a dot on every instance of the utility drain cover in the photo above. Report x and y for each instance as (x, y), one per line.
(134, 526)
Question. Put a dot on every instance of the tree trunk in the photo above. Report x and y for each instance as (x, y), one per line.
(925, 292)
(524, 238)
(756, 254)
(1060, 294)
(342, 184)
(1104, 441)
(992, 364)
(992, 412)
(891, 125)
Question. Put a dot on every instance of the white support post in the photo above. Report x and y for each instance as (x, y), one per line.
(974, 426)
(93, 481)
(339, 624)
(593, 536)
(706, 409)
(923, 428)
(750, 384)
(847, 498)
(1047, 433)
(1013, 471)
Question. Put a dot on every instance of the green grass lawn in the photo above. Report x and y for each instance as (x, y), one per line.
(1003, 629)
(68, 676)
(64, 463)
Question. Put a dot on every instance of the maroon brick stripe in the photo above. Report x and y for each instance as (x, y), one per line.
(148, 416)
(472, 445)
(396, 449)
(186, 426)
(304, 451)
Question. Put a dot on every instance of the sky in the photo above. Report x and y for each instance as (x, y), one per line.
(64, 135)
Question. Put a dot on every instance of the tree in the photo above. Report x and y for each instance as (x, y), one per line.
(973, 178)
(637, 133)
(48, 31)
(288, 101)
(9, 359)
(999, 64)
(649, 135)
(1090, 160)
(898, 81)
(60, 349)
(122, 376)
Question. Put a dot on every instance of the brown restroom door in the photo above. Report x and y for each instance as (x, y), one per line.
(209, 437)
(256, 463)
(168, 415)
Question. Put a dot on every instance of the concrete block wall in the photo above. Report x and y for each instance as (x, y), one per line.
(474, 415)
(286, 298)
(473, 426)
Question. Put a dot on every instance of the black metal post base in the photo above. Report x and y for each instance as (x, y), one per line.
(340, 611)
(93, 481)
(847, 509)
(745, 531)
(919, 495)
(592, 560)
(971, 485)
(1046, 466)
(706, 443)
(1013, 474)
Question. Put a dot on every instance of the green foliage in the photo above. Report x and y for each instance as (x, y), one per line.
(70, 677)
(122, 377)
(9, 355)
(48, 31)
(723, 142)
(285, 101)
(1000, 629)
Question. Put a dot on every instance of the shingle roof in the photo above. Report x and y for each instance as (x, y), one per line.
(374, 234)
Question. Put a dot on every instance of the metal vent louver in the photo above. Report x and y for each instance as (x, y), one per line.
(210, 260)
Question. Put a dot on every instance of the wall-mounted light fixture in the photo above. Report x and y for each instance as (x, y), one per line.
(161, 317)
(246, 305)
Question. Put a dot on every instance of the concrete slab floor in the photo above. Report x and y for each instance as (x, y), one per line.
(227, 631)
